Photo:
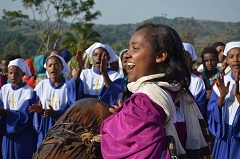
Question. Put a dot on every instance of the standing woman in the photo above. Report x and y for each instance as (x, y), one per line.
(19, 136)
(223, 107)
(156, 69)
(52, 96)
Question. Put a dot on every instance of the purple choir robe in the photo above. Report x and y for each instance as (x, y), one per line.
(136, 130)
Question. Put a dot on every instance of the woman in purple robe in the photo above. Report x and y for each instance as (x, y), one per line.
(141, 126)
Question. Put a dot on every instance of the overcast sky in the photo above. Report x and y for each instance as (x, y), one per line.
(133, 11)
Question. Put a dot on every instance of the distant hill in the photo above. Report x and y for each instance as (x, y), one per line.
(200, 33)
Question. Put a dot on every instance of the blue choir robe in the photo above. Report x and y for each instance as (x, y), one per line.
(92, 86)
(58, 97)
(198, 90)
(19, 137)
(224, 123)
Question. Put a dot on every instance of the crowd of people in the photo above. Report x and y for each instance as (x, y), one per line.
(161, 106)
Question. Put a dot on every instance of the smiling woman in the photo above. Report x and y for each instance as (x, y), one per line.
(144, 124)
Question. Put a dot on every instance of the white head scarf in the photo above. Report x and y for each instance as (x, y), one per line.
(189, 47)
(65, 70)
(120, 70)
(231, 45)
(112, 54)
(22, 65)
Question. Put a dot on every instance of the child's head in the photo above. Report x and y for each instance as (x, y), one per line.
(232, 53)
(188, 59)
(5, 61)
(54, 67)
(16, 70)
(55, 52)
(96, 51)
(190, 49)
(219, 46)
(154, 49)
(210, 58)
(114, 65)
(123, 63)
(97, 57)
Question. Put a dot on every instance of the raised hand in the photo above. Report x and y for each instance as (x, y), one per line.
(36, 108)
(103, 63)
(50, 112)
(223, 67)
(80, 62)
(80, 59)
(222, 89)
(236, 88)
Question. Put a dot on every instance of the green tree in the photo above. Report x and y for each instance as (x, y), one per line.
(52, 14)
(84, 35)
(12, 47)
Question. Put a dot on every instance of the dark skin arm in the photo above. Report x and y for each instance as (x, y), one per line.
(50, 112)
(236, 88)
(103, 70)
(114, 107)
(80, 62)
(38, 108)
(223, 67)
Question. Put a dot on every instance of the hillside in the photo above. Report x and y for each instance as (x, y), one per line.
(201, 33)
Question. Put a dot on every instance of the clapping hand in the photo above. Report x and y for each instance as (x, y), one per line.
(103, 63)
(36, 108)
(222, 89)
(236, 88)
(50, 112)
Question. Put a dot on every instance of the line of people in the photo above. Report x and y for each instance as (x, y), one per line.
(27, 114)
(165, 103)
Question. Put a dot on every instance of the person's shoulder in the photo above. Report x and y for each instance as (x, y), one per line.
(27, 87)
(200, 68)
(114, 74)
(87, 71)
(6, 86)
(42, 83)
(196, 78)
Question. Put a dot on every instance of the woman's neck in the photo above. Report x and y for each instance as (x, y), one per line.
(56, 81)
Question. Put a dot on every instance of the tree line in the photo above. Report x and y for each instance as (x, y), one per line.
(26, 42)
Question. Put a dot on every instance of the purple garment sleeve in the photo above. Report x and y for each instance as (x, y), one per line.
(136, 130)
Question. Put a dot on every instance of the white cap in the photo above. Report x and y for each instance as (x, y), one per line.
(112, 54)
(231, 45)
(22, 65)
(189, 47)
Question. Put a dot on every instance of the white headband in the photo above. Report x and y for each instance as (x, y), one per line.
(21, 64)
(112, 54)
(189, 47)
(231, 45)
